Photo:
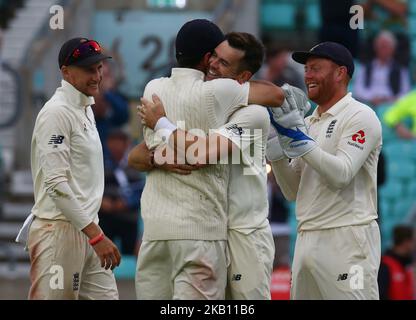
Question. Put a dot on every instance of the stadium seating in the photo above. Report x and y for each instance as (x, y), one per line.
(391, 190)
(282, 15)
(397, 195)
(402, 169)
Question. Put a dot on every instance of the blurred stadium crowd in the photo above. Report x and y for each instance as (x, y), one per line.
(139, 34)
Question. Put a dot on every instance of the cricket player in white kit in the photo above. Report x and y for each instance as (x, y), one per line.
(183, 255)
(250, 240)
(70, 256)
(333, 178)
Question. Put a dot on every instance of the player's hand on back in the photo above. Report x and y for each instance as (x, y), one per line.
(172, 162)
(151, 111)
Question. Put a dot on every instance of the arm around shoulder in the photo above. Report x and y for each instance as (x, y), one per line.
(265, 93)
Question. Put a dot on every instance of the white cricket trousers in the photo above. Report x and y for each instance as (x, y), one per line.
(338, 263)
(251, 264)
(181, 270)
(64, 265)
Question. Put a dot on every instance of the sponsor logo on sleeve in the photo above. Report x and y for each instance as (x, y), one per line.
(235, 129)
(359, 137)
(358, 140)
(56, 140)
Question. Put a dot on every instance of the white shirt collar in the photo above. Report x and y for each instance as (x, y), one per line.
(335, 109)
(180, 72)
(76, 97)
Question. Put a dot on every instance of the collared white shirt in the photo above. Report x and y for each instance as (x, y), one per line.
(248, 206)
(350, 131)
(66, 147)
(190, 206)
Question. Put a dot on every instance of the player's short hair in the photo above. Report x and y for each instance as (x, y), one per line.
(188, 62)
(401, 234)
(252, 47)
(194, 40)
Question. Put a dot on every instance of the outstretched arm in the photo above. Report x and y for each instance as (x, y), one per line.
(215, 146)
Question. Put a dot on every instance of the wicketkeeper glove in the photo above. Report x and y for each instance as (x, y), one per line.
(298, 97)
(288, 120)
(274, 151)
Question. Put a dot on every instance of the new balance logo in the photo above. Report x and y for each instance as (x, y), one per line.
(56, 139)
(235, 129)
(236, 277)
(342, 276)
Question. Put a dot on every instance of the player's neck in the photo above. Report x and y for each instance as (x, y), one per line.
(324, 107)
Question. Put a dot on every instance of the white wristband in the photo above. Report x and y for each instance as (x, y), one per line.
(164, 128)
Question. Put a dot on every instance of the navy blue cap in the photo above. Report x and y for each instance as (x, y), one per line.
(329, 50)
(86, 60)
(197, 37)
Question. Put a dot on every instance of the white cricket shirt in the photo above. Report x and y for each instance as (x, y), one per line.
(337, 182)
(248, 208)
(66, 147)
(191, 206)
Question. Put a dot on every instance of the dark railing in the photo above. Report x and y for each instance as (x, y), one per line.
(11, 119)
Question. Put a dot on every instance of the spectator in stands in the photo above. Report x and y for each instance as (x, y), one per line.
(383, 79)
(281, 69)
(111, 109)
(123, 186)
(389, 15)
(400, 111)
(395, 277)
